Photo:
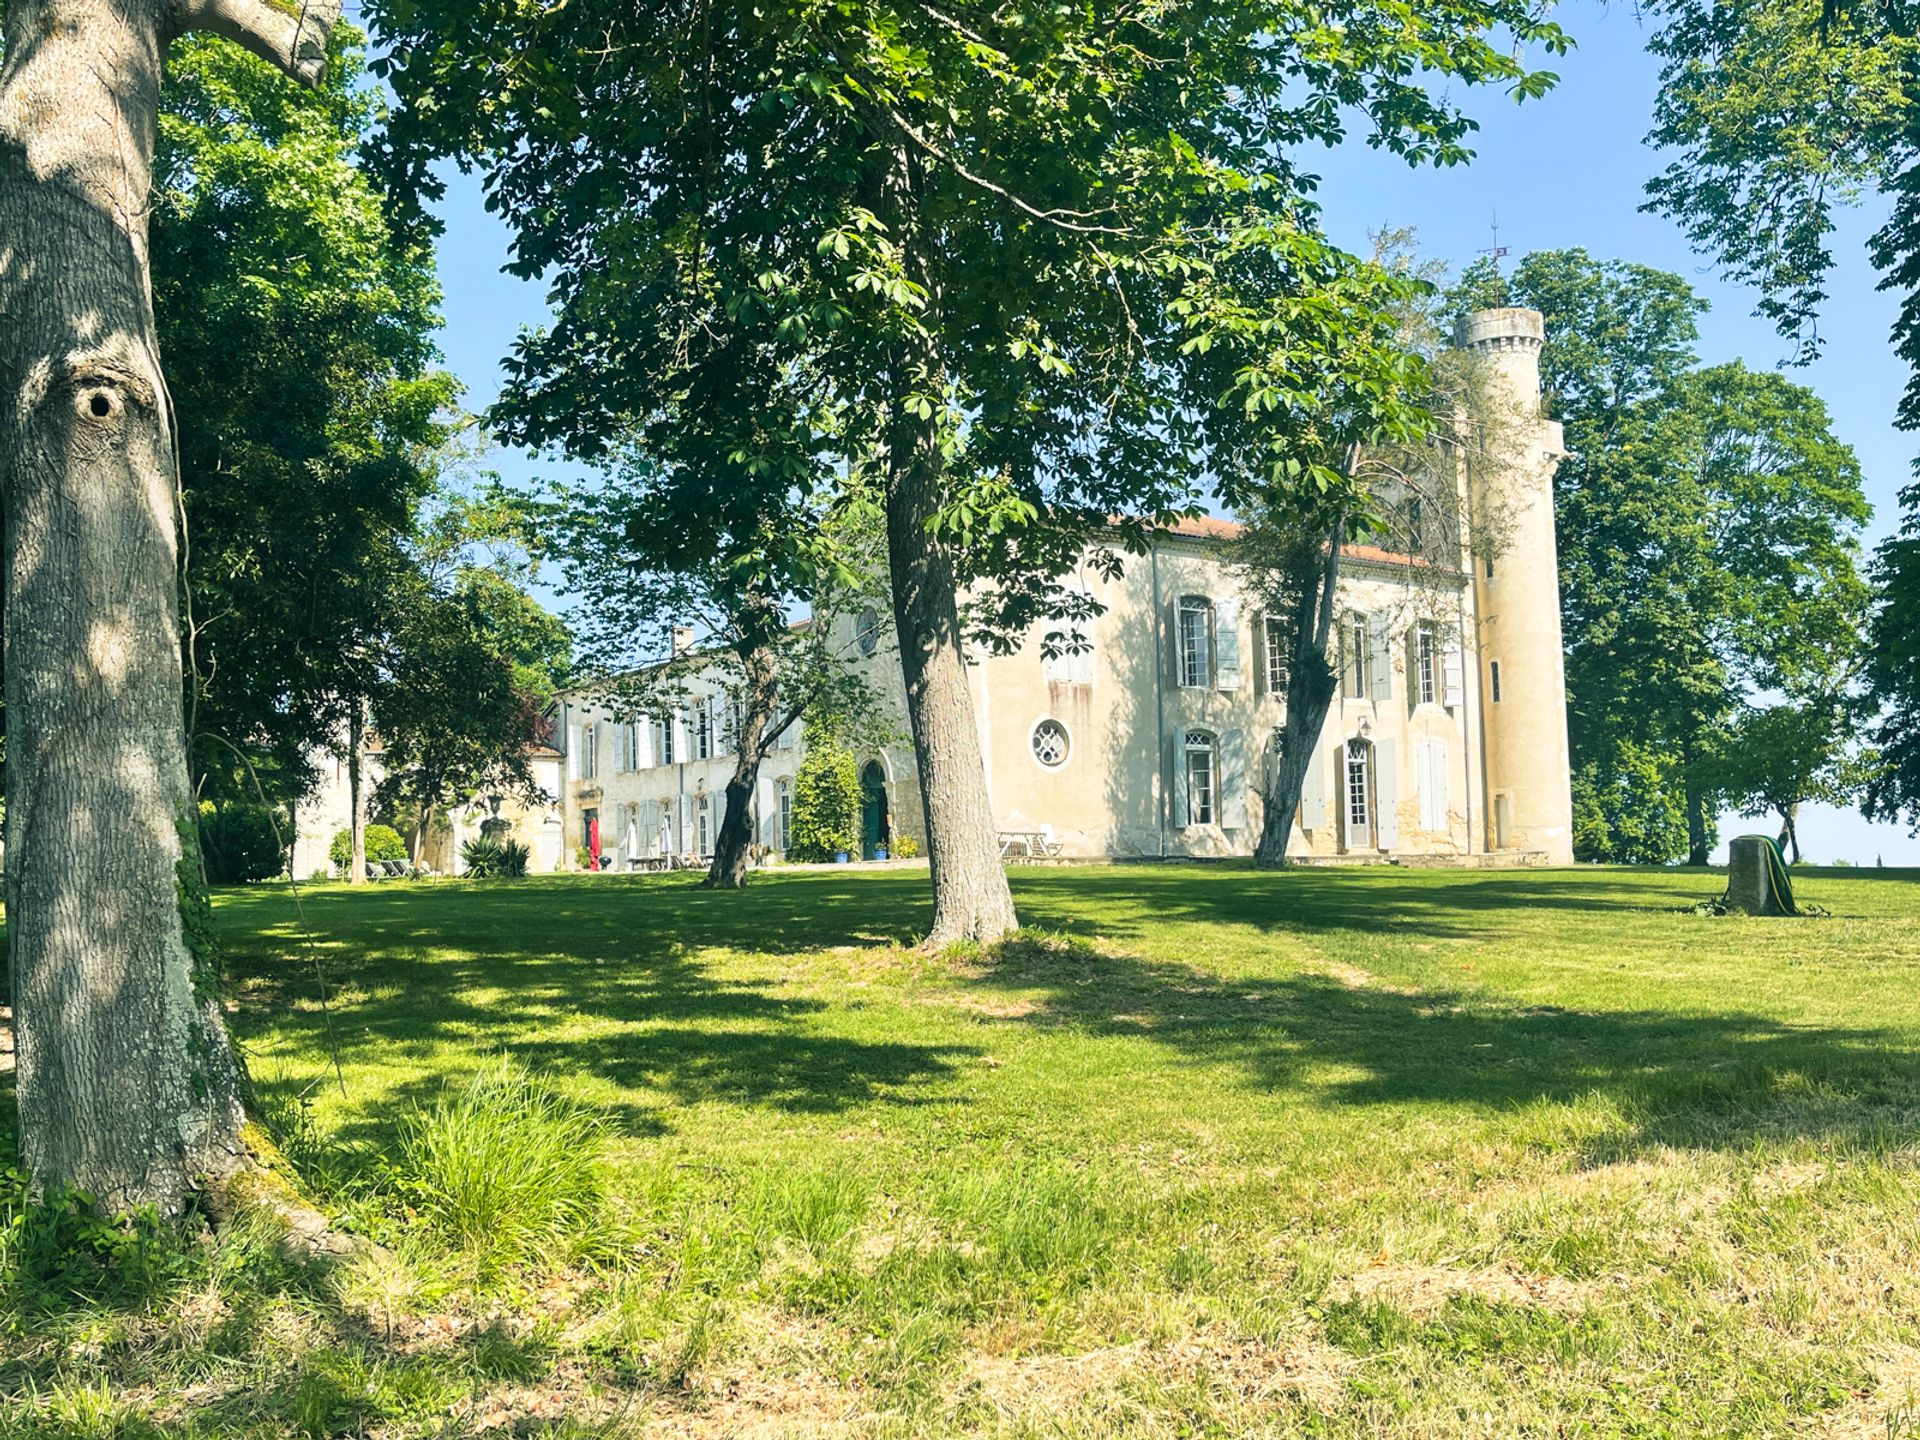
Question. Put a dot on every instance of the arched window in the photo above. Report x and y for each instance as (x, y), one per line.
(1195, 642)
(867, 631)
(1201, 771)
(1051, 744)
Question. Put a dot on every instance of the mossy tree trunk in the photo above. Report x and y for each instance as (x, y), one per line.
(128, 1086)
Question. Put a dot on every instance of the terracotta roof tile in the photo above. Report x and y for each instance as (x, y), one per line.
(1211, 527)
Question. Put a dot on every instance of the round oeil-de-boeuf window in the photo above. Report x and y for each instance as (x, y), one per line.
(1051, 744)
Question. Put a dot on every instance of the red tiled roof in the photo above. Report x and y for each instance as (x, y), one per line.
(1207, 527)
(1211, 527)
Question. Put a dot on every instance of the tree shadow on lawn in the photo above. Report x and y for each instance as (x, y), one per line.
(1449, 905)
(1126, 901)
(413, 974)
(1712, 1081)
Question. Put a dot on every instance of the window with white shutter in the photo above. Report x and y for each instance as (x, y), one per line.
(1193, 645)
(1356, 645)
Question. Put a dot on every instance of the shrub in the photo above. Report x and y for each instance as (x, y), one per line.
(506, 1168)
(826, 804)
(383, 843)
(903, 847)
(241, 843)
(489, 859)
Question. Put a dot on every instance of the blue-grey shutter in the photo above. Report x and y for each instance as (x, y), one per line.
(1173, 646)
(1386, 830)
(1233, 780)
(1226, 642)
(1380, 660)
(1179, 787)
(1453, 690)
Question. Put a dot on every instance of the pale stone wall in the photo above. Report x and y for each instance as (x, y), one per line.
(328, 810)
(631, 800)
(540, 826)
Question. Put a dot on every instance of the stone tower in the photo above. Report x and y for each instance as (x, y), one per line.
(1516, 593)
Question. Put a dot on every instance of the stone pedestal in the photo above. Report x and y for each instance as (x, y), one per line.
(1750, 889)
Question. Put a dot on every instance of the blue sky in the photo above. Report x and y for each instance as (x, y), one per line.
(1563, 171)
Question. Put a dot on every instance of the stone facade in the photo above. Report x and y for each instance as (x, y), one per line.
(1446, 740)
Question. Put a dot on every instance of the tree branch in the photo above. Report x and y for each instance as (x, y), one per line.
(291, 34)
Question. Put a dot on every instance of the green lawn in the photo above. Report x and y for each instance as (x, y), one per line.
(1207, 1152)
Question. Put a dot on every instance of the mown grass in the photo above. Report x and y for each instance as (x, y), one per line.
(1205, 1152)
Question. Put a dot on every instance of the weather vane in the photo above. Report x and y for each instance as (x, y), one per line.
(1496, 252)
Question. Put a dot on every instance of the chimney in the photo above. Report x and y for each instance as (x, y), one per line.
(682, 640)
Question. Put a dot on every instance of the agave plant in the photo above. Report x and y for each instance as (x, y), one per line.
(484, 858)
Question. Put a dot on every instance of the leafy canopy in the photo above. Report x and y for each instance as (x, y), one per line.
(1066, 238)
(298, 330)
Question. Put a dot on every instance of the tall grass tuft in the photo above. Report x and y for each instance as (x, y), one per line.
(507, 1168)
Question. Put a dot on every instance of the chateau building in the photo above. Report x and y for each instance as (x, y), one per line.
(1447, 736)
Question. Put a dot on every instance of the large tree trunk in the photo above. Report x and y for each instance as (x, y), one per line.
(422, 827)
(1311, 682)
(356, 795)
(971, 900)
(128, 1087)
(1699, 850)
(733, 848)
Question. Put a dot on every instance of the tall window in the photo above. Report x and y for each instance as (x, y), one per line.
(1493, 669)
(1416, 526)
(785, 793)
(1358, 809)
(702, 730)
(1426, 664)
(1275, 629)
(663, 741)
(702, 810)
(1200, 785)
(1196, 643)
(1353, 657)
(589, 751)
